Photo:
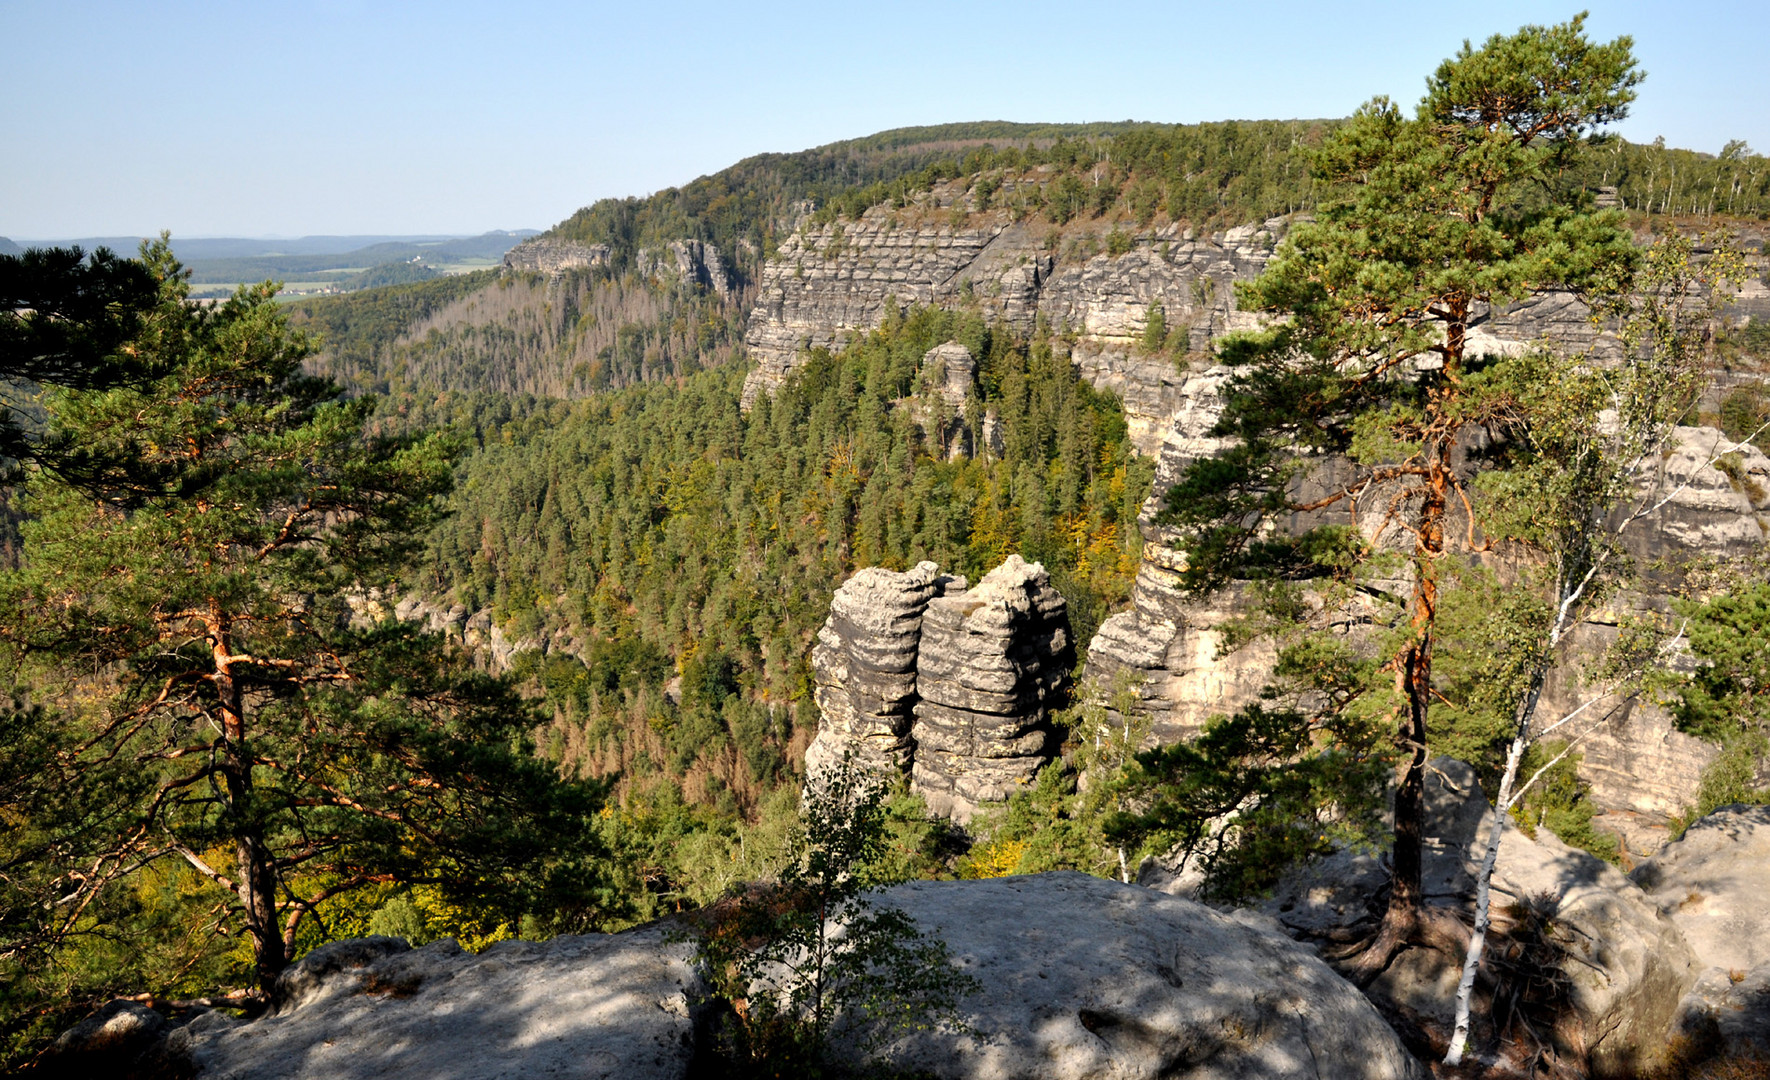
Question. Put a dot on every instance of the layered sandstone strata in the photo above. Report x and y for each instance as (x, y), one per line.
(991, 661)
(864, 663)
(917, 673)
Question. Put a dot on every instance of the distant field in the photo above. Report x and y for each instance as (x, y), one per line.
(333, 281)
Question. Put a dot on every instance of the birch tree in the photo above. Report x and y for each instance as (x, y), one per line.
(1580, 459)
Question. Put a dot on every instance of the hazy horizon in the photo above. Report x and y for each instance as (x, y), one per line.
(216, 121)
(371, 238)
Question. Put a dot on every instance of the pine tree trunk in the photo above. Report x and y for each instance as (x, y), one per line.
(254, 866)
(1402, 918)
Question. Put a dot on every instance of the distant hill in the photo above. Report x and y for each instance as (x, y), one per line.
(567, 339)
(488, 246)
(235, 247)
(742, 208)
(225, 260)
(393, 273)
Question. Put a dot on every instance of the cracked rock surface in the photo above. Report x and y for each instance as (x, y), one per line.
(1084, 978)
(592, 1007)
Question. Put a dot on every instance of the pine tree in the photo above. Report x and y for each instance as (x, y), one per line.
(214, 685)
(1435, 221)
(68, 319)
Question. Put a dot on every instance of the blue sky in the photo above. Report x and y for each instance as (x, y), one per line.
(248, 119)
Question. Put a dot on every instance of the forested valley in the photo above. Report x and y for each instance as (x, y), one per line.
(203, 545)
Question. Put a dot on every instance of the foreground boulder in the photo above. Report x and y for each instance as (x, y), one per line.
(1083, 977)
(1726, 1016)
(602, 1006)
(1617, 968)
(1714, 885)
(1078, 977)
(123, 1040)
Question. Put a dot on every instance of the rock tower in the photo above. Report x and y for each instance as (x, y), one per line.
(917, 673)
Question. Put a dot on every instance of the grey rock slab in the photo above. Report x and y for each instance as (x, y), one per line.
(330, 966)
(1714, 885)
(120, 1039)
(1729, 1011)
(600, 1006)
(1627, 965)
(1087, 978)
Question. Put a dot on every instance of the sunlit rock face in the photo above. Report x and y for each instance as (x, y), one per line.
(992, 661)
(827, 282)
(916, 673)
(1076, 978)
(864, 664)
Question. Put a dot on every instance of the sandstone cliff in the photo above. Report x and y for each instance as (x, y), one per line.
(546, 255)
(1097, 279)
(1640, 768)
(916, 672)
(828, 281)
(693, 261)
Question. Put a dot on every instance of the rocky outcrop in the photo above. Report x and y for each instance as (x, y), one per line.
(915, 672)
(604, 1006)
(1077, 977)
(1623, 965)
(1713, 883)
(547, 255)
(1720, 509)
(829, 281)
(122, 1040)
(990, 662)
(1641, 770)
(864, 663)
(948, 385)
(1085, 978)
(1725, 1016)
(692, 261)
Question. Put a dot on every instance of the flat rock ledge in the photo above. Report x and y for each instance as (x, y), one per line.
(1078, 978)
(612, 1006)
(1084, 977)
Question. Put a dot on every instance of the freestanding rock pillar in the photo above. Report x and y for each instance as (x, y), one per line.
(990, 662)
(865, 665)
(917, 674)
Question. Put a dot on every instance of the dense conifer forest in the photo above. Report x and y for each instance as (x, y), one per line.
(664, 536)
(655, 560)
